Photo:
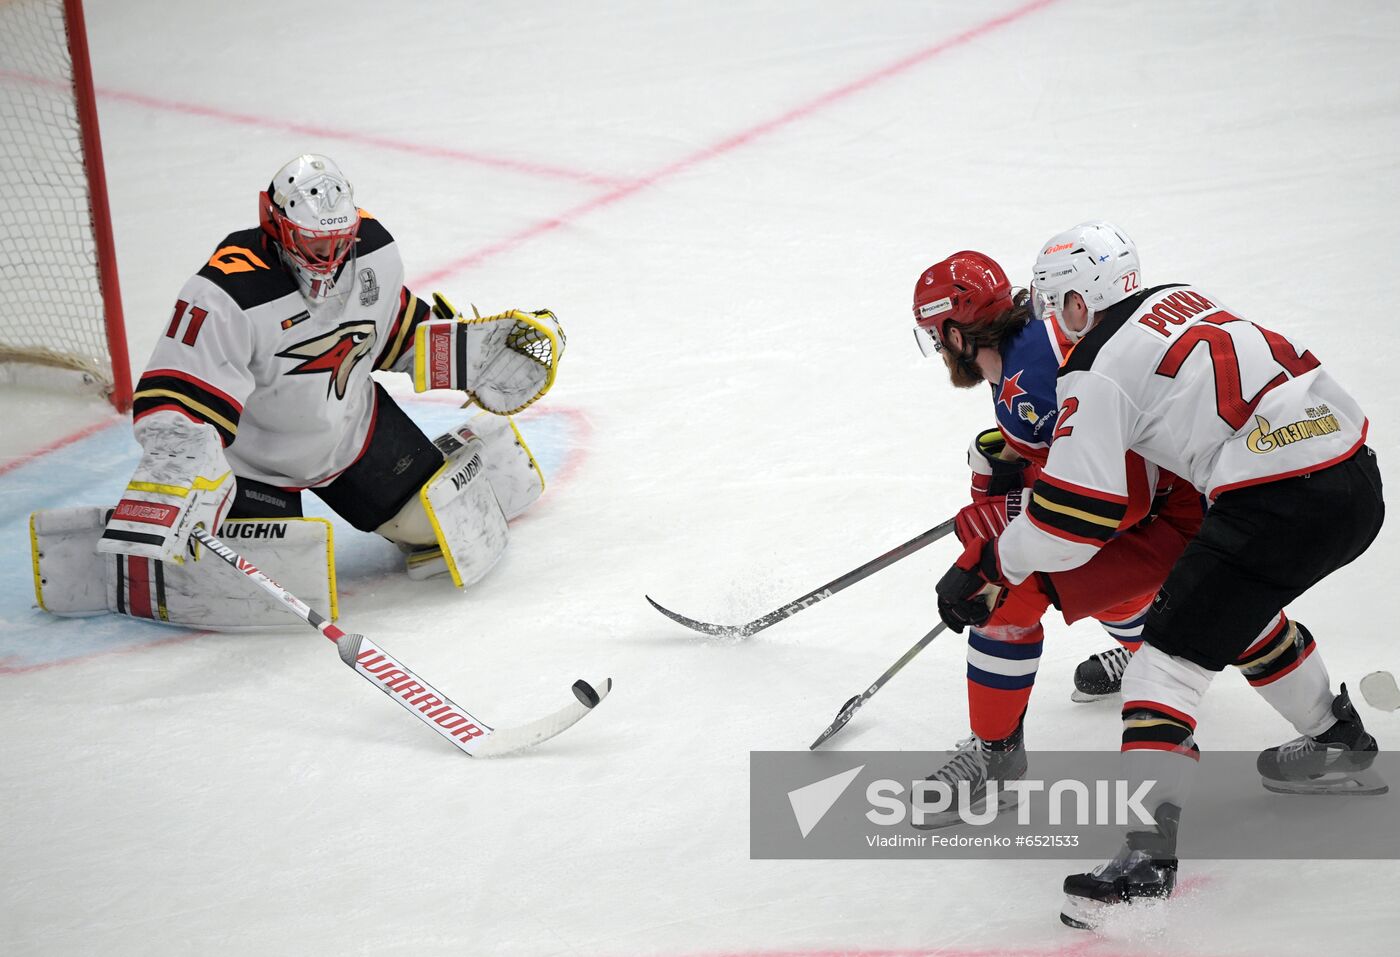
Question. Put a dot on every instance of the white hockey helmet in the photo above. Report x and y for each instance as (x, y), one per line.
(309, 211)
(1096, 260)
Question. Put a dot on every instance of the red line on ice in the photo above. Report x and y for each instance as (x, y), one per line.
(10, 669)
(83, 433)
(428, 150)
(729, 143)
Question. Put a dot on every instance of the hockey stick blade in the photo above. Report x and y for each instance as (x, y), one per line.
(420, 699)
(453, 722)
(852, 705)
(509, 740)
(843, 716)
(704, 627)
(812, 597)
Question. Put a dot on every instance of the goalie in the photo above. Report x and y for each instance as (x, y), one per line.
(260, 388)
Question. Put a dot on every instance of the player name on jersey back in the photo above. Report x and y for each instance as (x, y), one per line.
(1207, 394)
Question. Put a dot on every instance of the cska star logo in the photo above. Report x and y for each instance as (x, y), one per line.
(336, 353)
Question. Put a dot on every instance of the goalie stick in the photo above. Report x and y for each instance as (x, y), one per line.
(421, 699)
(849, 709)
(812, 597)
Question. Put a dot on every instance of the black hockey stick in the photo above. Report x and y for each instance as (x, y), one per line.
(421, 699)
(853, 705)
(812, 597)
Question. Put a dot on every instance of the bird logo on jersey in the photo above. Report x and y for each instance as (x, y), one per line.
(335, 353)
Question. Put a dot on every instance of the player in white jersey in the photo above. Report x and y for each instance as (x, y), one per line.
(967, 312)
(260, 388)
(1257, 425)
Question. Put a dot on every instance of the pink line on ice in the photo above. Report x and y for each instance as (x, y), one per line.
(728, 144)
(67, 440)
(428, 150)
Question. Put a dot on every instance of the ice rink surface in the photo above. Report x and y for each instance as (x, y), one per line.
(727, 204)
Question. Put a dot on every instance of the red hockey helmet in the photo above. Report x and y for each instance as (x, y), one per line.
(968, 288)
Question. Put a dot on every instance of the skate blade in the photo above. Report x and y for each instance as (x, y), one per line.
(1085, 697)
(932, 822)
(1340, 784)
(1145, 915)
(1081, 913)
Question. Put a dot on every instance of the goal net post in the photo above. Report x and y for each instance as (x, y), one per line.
(60, 303)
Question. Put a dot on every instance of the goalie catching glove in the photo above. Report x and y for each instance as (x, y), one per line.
(182, 481)
(503, 362)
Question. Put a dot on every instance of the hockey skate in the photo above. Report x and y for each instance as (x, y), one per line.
(1143, 870)
(975, 763)
(1337, 761)
(1101, 675)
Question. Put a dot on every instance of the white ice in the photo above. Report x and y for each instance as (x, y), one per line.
(737, 201)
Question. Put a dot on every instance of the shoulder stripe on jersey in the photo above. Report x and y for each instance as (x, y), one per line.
(1073, 515)
(1086, 350)
(195, 399)
(412, 311)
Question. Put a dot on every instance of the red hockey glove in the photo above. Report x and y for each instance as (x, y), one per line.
(987, 518)
(993, 475)
(972, 589)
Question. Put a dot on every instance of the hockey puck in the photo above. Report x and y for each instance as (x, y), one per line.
(585, 694)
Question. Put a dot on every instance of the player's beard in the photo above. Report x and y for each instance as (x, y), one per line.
(961, 372)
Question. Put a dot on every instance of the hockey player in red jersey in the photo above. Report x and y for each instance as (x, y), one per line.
(1258, 426)
(260, 388)
(965, 310)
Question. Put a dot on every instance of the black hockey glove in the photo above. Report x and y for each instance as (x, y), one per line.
(973, 588)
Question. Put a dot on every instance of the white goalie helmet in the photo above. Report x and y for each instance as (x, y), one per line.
(1096, 260)
(309, 211)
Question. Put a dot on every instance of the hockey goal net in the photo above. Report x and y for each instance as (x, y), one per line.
(59, 300)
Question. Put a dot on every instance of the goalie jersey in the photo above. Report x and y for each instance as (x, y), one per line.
(285, 382)
(1170, 375)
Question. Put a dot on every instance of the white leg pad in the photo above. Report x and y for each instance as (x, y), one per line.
(72, 579)
(511, 468)
(466, 517)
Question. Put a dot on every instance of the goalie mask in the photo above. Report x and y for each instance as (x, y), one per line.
(309, 211)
